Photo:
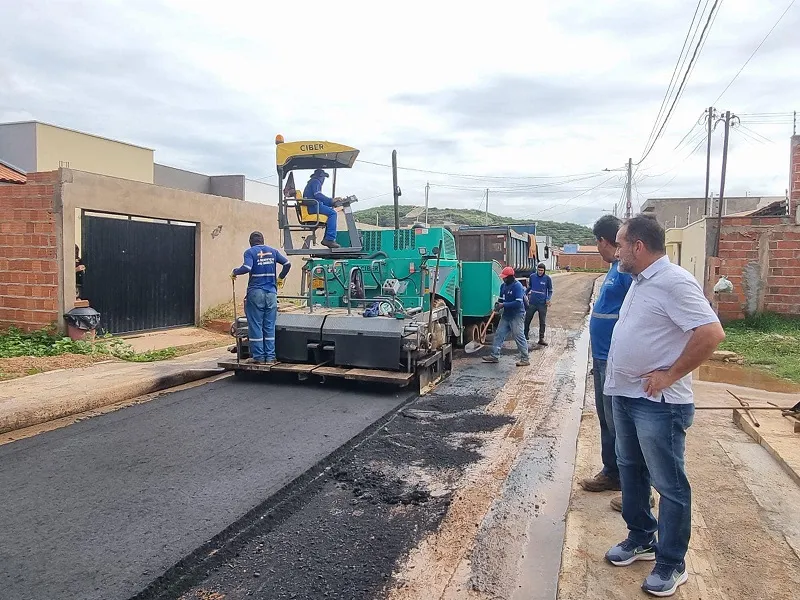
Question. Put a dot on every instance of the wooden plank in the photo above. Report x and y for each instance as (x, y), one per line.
(379, 376)
(232, 365)
(331, 371)
(293, 368)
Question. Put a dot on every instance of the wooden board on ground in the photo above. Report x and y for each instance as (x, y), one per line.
(244, 366)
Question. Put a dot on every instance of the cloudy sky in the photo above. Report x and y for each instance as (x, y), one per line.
(531, 99)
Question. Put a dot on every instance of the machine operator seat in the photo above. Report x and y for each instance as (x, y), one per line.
(304, 216)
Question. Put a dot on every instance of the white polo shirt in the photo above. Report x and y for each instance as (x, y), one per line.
(662, 307)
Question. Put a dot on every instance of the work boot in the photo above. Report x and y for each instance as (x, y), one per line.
(523, 362)
(542, 342)
(490, 359)
(330, 243)
(616, 502)
(600, 483)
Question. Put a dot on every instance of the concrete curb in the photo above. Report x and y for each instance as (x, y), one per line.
(83, 401)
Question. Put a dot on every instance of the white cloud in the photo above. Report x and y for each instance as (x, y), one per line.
(509, 89)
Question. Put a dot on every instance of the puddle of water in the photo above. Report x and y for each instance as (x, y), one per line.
(719, 372)
(538, 570)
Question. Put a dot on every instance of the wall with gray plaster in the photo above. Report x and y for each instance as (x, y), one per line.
(18, 145)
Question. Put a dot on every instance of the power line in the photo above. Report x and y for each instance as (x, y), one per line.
(678, 65)
(578, 196)
(739, 72)
(484, 177)
(682, 86)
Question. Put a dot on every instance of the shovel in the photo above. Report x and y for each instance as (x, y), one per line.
(476, 345)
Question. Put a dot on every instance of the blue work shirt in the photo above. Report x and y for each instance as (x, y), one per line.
(605, 312)
(512, 298)
(540, 289)
(259, 262)
(313, 191)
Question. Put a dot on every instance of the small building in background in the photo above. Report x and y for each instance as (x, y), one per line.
(581, 258)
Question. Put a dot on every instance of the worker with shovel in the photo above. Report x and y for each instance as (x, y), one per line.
(261, 302)
(511, 307)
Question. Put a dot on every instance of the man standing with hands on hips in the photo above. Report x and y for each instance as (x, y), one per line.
(261, 302)
(666, 329)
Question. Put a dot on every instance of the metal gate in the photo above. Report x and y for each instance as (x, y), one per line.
(140, 273)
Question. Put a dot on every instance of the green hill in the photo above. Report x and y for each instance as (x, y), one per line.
(562, 233)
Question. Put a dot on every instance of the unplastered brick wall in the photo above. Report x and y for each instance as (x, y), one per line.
(28, 259)
(581, 261)
(761, 258)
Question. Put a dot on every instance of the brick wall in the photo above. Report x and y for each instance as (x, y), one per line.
(28, 259)
(761, 258)
(582, 261)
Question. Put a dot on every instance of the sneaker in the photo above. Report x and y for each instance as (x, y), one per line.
(628, 552)
(270, 361)
(616, 502)
(664, 580)
(524, 362)
(330, 243)
(490, 359)
(543, 343)
(600, 483)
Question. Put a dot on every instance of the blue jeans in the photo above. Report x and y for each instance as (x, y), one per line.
(324, 209)
(261, 308)
(514, 325)
(605, 412)
(651, 441)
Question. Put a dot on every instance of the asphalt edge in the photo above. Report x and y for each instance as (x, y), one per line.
(127, 391)
(745, 425)
(565, 548)
(193, 568)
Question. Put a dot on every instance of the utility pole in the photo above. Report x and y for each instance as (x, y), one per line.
(486, 214)
(628, 186)
(427, 191)
(710, 118)
(728, 117)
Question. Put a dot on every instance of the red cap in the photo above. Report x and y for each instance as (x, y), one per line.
(507, 272)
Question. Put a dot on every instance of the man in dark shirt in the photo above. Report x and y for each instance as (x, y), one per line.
(323, 206)
(538, 294)
(261, 302)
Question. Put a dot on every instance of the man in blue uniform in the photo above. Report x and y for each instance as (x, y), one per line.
(511, 307)
(323, 205)
(261, 302)
(604, 317)
(539, 293)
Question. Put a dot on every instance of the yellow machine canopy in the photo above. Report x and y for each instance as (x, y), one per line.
(293, 156)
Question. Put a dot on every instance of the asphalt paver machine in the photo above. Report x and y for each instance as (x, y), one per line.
(386, 306)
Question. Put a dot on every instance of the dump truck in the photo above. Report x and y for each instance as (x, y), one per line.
(513, 246)
(385, 306)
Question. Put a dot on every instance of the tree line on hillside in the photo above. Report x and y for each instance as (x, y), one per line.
(562, 233)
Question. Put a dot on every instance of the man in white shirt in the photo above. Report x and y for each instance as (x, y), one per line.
(666, 329)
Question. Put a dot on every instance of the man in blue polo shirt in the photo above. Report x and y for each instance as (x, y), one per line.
(605, 314)
(261, 302)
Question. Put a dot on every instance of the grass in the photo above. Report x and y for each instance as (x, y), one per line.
(767, 341)
(46, 342)
(220, 311)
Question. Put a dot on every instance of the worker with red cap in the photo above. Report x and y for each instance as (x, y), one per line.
(511, 307)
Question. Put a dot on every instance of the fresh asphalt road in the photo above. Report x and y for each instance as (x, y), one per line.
(98, 509)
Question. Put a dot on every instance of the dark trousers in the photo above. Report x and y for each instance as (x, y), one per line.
(605, 412)
(532, 310)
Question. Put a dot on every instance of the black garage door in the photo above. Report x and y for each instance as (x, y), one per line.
(140, 273)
